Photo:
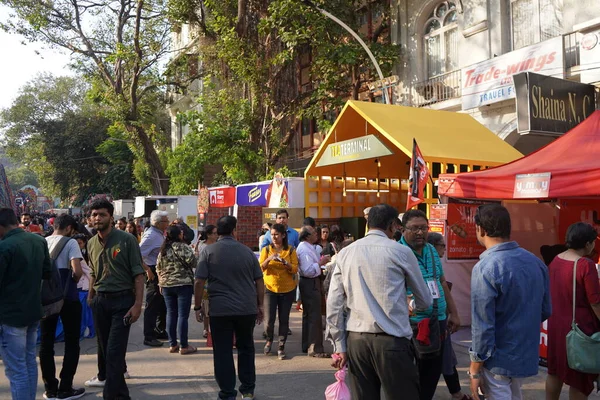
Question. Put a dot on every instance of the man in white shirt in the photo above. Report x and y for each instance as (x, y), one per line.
(367, 311)
(311, 289)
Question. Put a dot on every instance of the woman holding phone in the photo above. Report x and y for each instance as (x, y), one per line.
(279, 263)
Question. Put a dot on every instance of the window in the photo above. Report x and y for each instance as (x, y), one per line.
(441, 40)
(533, 21)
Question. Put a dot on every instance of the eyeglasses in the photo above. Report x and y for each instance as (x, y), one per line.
(416, 229)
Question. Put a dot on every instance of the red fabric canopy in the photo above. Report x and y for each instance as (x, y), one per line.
(573, 160)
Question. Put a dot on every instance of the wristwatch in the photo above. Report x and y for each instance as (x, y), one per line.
(197, 308)
(473, 376)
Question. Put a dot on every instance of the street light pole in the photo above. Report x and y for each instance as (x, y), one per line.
(358, 39)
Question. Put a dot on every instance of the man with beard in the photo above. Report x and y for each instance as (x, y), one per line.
(116, 293)
(28, 226)
(414, 236)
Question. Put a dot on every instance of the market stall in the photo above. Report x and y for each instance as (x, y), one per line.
(545, 192)
(364, 158)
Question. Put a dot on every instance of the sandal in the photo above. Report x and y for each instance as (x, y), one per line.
(320, 355)
(174, 349)
(267, 349)
(188, 350)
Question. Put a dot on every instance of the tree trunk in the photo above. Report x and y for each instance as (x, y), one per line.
(158, 178)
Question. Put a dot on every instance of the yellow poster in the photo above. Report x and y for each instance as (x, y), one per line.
(192, 221)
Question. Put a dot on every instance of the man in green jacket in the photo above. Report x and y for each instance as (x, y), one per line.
(24, 262)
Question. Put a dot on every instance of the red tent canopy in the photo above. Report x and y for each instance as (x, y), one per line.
(573, 161)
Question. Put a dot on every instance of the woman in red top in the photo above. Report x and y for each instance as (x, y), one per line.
(580, 241)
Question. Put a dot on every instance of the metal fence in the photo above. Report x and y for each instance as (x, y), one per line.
(436, 89)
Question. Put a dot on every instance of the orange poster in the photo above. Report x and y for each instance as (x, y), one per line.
(462, 241)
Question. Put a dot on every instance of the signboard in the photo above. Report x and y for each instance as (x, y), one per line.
(222, 197)
(462, 240)
(438, 211)
(277, 194)
(253, 195)
(551, 105)
(295, 220)
(532, 186)
(589, 50)
(544, 344)
(192, 221)
(437, 226)
(491, 81)
(203, 200)
(360, 148)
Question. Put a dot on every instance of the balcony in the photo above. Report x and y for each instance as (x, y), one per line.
(572, 51)
(437, 89)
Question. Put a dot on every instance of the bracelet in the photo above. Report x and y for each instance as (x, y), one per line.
(473, 376)
(197, 308)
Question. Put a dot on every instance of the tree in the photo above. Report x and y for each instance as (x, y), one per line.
(52, 130)
(117, 44)
(253, 48)
(20, 176)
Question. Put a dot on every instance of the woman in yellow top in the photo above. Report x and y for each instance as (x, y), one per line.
(279, 263)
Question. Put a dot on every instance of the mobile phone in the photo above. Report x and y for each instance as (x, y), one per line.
(127, 320)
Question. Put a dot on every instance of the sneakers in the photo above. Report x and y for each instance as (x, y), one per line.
(247, 396)
(153, 342)
(49, 395)
(95, 382)
(71, 394)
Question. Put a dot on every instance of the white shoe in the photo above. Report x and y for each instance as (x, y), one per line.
(126, 375)
(94, 382)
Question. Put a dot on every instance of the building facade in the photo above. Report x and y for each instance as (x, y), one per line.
(461, 55)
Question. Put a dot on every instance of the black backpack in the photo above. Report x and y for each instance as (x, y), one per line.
(53, 293)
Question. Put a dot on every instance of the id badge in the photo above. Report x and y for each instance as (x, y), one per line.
(433, 288)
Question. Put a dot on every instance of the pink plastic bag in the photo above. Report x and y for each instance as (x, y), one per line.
(338, 390)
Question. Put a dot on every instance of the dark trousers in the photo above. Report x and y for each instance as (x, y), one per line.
(113, 335)
(155, 313)
(278, 303)
(430, 370)
(222, 330)
(312, 324)
(102, 364)
(453, 382)
(379, 361)
(70, 316)
(178, 300)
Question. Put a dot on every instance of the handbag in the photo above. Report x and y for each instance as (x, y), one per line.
(431, 350)
(582, 350)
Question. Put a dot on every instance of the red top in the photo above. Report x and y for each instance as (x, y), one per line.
(559, 324)
(33, 228)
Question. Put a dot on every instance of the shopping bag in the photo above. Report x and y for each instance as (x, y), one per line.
(338, 390)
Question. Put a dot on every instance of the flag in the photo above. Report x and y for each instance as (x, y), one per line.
(419, 173)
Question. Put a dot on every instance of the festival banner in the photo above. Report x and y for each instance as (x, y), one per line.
(419, 173)
(253, 195)
(203, 202)
(462, 240)
(222, 197)
(277, 194)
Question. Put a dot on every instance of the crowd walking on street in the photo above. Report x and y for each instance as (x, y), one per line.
(383, 301)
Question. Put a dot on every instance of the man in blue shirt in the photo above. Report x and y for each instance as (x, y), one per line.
(282, 218)
(510, 298)
(414, 236)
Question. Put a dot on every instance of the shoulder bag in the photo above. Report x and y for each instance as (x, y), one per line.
(432, 350)
(582, 350)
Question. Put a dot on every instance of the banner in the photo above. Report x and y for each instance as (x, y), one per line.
(222, 197)
(462, 239)
(419, 173)
(253, 195)
(277, 194)
(203, 201)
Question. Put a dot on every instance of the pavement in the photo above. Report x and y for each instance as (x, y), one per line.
(157, 374)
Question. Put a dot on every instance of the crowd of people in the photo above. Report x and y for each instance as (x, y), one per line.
(383, 301)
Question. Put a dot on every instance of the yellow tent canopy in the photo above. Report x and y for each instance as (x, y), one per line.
(442, 136)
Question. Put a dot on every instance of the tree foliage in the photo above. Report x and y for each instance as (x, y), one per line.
(117, 46)
(254, 49)
(52, 131)
(19, 176)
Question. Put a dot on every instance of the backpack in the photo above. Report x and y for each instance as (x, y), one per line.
(53, 293)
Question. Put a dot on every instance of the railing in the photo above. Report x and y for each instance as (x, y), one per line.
(436, 89)
(572, 54)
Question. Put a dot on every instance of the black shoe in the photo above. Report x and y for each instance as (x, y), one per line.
(289, 332)
(264, 335)
(153, 342)
(71, 394)
(49, 395)
(162, 335)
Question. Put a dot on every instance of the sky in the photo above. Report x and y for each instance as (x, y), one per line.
(21, 64)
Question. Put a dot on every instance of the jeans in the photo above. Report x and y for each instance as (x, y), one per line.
(178, 300)
(278, 303)
(113, 334)
(155, 313)
(17, 348)
(379, 362)
(222, 329)
(70, 315)
(312, 323)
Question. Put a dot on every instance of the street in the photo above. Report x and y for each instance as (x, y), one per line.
(157, 374)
